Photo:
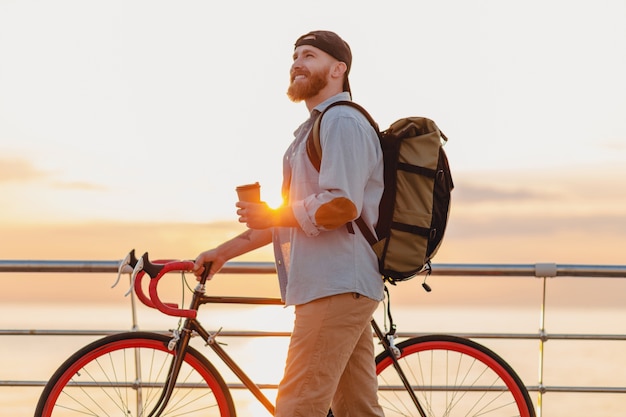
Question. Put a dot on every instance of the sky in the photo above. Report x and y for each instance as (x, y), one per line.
(152, 112)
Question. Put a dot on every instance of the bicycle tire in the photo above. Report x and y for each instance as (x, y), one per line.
(102, 379)
(451, 377)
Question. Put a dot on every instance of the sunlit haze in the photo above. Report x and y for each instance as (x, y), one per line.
(115, 113)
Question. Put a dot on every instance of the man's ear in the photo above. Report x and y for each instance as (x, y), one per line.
(339, 69)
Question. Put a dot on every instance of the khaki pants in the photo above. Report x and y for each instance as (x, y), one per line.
(330, 361)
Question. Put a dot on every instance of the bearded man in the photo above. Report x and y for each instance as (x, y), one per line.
(326, 269)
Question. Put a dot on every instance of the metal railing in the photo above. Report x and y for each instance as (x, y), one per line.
(543, 271)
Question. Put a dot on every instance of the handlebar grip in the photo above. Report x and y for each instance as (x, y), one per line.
(166, 308)
(205, 272)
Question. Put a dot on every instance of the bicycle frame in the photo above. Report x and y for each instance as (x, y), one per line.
(157, 270)
(192, 325)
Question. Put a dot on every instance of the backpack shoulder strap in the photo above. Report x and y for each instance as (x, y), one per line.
(313, 144)
(314, 151)
(371, 237)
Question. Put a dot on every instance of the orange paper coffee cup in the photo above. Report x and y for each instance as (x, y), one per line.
(250, 193)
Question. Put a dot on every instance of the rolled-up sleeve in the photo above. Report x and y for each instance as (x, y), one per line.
(304, 219)
(350, 151)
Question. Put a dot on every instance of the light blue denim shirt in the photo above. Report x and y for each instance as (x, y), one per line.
(315, 260)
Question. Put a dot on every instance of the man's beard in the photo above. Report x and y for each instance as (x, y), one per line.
(310, 88)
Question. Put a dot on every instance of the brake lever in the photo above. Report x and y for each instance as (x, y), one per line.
(136, 270)
(122, 268)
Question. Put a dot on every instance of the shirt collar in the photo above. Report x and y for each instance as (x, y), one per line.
(343, 96)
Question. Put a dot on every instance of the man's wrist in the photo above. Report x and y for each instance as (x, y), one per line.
(283, 217)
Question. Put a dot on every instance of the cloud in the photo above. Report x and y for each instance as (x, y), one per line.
(471, 194)
(18, 169)
(463, 226)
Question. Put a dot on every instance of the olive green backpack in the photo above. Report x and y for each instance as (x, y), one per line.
(414, 208)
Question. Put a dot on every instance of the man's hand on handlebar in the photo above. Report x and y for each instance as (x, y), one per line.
(209, 256)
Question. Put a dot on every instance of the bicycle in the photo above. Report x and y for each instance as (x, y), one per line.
(152, 374)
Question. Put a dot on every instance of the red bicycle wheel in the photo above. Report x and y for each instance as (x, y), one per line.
(124, 374)
(451, 377)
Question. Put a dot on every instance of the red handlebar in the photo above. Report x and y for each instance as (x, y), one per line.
(139, 291)
(169, 308)
(154, 301)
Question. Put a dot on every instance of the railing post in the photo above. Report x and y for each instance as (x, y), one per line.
(543, 271)
(542, 340)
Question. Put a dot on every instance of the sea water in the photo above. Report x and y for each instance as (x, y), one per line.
(566, 362)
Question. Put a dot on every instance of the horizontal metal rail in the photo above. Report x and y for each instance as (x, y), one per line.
(539, 270)
(402, 335)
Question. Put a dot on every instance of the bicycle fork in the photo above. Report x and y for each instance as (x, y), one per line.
(180, 347)
(391, 350)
